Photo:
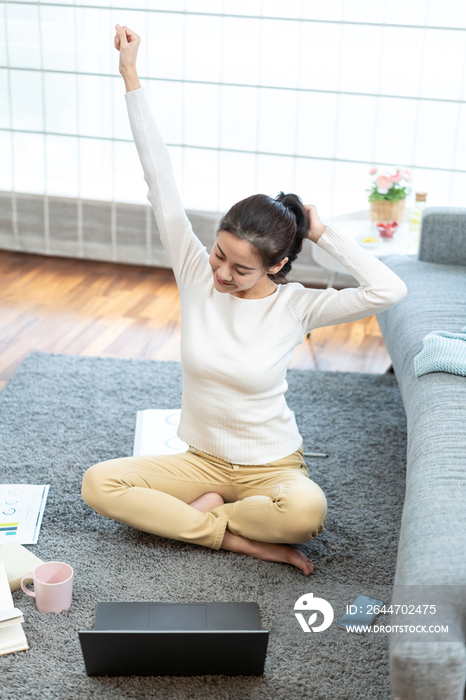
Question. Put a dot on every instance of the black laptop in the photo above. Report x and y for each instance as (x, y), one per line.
(175, 639)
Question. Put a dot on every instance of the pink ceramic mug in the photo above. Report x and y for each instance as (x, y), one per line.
(53, 586)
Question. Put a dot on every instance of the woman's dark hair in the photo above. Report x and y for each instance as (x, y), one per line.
(275, 227)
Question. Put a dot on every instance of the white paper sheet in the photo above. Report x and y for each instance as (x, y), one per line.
(6, 601)
(12, 637)
(21, 511)
(156, 432)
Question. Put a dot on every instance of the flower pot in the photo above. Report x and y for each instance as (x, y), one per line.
(383, 210)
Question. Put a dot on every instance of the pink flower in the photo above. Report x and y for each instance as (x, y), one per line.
(372, 171)
(405, 174)
(383, 184)
(396, 178)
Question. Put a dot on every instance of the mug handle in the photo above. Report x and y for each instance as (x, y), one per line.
(31, 593)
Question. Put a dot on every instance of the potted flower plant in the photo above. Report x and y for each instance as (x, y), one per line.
(387, 198)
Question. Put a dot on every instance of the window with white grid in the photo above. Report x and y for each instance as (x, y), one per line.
(251, 96)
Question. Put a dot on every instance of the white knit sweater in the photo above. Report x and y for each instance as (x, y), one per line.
(235, 352)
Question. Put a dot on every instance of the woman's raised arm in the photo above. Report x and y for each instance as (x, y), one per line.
(188, 257)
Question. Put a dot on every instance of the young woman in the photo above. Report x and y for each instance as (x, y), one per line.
(243, 484)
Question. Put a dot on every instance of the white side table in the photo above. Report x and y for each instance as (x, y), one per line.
(358, 223)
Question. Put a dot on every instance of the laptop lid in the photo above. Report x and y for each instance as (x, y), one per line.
(176, 639)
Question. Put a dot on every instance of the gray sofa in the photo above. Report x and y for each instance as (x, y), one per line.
(432, 545)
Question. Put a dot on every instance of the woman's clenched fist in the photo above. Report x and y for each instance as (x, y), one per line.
(127, 43)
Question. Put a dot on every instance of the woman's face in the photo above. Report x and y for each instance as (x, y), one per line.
(235, 262)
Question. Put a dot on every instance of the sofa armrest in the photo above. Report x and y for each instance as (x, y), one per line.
(442, 236)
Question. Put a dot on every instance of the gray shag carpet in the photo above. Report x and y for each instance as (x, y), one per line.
(59, 414)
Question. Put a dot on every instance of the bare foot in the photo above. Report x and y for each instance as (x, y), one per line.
(207, 501)
(269, 551)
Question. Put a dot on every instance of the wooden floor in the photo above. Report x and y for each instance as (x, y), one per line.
(83, 307)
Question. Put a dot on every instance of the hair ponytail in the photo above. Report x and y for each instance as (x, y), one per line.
(295, 205)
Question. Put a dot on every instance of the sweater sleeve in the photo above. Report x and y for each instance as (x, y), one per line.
(188, 256)
(380, 287)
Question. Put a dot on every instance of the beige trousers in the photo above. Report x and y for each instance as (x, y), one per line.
(274, 502)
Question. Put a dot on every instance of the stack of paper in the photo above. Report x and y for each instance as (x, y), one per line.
(12, 637)
(18, 561)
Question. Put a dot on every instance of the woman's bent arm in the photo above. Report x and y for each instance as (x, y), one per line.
(380, 287)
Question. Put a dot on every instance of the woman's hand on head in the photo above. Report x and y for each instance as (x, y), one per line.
(316, 226)
(127, 43)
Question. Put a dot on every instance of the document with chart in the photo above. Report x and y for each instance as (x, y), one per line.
(21, 510)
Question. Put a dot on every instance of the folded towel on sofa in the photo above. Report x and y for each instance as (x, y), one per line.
(442, 352)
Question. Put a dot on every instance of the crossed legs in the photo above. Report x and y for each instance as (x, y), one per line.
(254, 510)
